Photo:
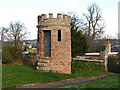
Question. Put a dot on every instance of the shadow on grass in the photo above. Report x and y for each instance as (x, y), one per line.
(31, 66)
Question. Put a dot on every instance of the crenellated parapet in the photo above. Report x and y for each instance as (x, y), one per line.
(61, 20)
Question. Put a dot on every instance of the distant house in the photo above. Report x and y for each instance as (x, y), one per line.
(30, 47)
(34, 49)
(115, 48)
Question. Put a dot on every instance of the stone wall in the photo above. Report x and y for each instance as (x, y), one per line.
(60, 60)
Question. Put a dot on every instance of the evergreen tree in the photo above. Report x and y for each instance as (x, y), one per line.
(79, 43)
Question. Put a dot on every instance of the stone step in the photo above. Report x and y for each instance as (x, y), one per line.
(45, 58)
(42, 64)
(43, 61)
(43, 69)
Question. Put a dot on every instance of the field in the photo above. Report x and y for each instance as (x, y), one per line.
(15, 75)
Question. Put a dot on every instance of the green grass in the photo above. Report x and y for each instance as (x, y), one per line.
(0, 76)
(15, 75)
(110, 82)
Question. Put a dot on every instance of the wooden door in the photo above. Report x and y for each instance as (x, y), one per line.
(47, 43)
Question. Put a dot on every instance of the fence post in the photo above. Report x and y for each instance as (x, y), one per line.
(104, 56)
(106, 61)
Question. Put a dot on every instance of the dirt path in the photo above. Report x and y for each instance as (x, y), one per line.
(66, 82)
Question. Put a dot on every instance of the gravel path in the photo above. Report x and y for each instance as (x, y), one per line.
(66, 82)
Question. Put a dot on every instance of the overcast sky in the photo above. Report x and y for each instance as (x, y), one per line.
(28, 10)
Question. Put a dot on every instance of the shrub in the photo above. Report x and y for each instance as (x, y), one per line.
(11, 54)
(79, 65)
(6, 56)
(114, 64)
(29, 59)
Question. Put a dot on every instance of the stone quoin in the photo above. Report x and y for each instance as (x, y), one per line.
(54, 44)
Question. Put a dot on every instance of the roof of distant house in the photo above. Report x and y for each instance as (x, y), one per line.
(28, 43)
(91, 53)
(34, 46)
(110, 53)
(116, 46)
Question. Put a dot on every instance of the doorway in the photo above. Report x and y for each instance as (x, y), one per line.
(47, 43)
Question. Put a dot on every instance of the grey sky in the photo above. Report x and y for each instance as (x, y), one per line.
(28, 10)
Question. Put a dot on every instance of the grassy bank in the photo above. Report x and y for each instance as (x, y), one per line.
(15, 75)
(110, 82)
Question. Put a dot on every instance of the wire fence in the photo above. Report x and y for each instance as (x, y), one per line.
(113, 63)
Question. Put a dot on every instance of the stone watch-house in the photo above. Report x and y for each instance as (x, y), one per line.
(54, 44)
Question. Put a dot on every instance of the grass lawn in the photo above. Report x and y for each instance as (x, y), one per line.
(15, 75)
(110, 82)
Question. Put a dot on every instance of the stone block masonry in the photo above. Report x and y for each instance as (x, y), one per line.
(54, 44)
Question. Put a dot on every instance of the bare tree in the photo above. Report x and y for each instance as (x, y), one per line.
(3, 31)
(93, 26)
(117, 35)
(16, 32)
(108, 37)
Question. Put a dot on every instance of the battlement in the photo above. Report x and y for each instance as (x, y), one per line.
(61, 20)
(59, 16)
